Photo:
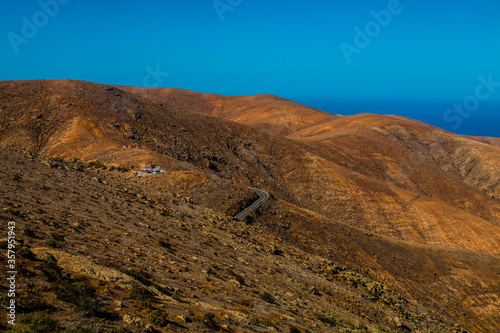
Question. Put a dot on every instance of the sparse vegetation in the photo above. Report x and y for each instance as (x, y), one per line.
(78, 329)
(258, 321)
(122, 169)
(79, 294)
(158, 317)
(141, 295)
(102, 235)
(327, 319)
(39, 323)
(32, 303)
(51, 270)
(177, 295)
(96, 165)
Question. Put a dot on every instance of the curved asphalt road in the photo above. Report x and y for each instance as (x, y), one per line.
(263, 198)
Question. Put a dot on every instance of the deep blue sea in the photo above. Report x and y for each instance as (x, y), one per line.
(484, 120)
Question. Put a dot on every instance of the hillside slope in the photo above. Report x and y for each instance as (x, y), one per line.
(460, 155)
(374, 180)
(409, 165)
(463, 157)
(149, 260)
(399, 201)
(269, 113)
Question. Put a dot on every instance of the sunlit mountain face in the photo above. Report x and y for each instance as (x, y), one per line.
(250, 166)
(415, 58)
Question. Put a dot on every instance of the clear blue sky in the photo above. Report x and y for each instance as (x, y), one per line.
(427, 51)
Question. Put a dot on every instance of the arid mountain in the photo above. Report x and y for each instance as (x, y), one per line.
(463, 157)
(392, 168)
(491, 141)
(269, 113)
(395, 200)
(112, 255)
(460, 155)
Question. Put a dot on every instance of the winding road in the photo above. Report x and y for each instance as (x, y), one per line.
(263, 198)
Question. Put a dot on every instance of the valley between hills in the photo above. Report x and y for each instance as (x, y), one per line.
(373, 224)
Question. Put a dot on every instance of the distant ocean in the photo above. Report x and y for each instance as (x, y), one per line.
(485, 121)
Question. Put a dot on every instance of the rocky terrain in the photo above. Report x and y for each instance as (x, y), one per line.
(124, 257)
(269, 113)
(375, 223)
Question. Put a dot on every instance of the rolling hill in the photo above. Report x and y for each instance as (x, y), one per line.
(394, 200)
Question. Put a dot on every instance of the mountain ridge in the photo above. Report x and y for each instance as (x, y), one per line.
(385, 185)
